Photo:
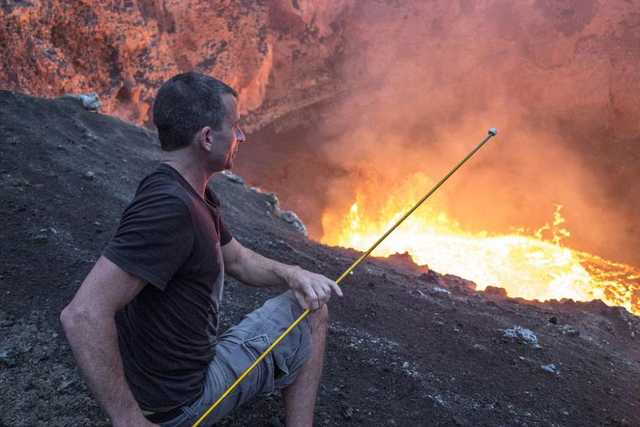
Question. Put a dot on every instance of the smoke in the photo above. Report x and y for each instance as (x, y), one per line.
(425, 80)
(428, 79)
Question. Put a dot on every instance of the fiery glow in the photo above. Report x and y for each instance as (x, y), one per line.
(535, 266)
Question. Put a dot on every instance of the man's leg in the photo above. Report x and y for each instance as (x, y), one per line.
(300, 397)
(238, 347)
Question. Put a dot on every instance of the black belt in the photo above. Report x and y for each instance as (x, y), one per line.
(161, 417)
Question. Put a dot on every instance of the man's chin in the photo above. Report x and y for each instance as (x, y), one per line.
(224, 166)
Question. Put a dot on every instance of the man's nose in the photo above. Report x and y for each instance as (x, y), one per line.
(240, 135)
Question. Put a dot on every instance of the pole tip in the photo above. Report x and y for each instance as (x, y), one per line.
(493, 131)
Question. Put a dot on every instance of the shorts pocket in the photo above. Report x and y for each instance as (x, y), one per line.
(290, 358)
(260, 381)
(289, 348)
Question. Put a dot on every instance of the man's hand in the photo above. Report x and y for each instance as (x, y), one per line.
(311, 290)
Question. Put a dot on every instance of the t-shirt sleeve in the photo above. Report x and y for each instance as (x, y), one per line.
(154, 239)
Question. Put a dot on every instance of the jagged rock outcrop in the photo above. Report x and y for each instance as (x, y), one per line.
(125, 50)
(298, 49)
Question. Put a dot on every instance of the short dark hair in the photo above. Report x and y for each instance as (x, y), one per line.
(185, 104)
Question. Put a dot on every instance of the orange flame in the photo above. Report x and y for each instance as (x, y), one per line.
(535, 267)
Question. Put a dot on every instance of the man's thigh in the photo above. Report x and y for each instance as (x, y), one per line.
(240, 346)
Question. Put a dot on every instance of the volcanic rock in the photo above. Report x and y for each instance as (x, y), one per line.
(7, 321)
(570, 330)
(40, 238)
(523, 333)
(551, 367)
(65, 384)
(90, 101)
(493, 291)
(275, 422)
(404, 261)
(347, 412)
(7, 358)
(125, 51)
(426, 372)
(458, 282)
(233, 177)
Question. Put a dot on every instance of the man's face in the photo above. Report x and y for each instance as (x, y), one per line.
(227, 140)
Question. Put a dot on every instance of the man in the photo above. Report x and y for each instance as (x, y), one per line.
(143, 326)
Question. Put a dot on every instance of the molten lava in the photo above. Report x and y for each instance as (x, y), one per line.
(535, 266)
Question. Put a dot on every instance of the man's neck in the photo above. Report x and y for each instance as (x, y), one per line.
(192, 172)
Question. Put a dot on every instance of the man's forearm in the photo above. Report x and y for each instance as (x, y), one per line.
(254, 269)
(311, 290)
(94, 344)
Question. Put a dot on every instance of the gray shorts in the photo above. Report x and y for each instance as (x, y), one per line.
(239, 347)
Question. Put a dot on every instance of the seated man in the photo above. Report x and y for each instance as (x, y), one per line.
(143, 326)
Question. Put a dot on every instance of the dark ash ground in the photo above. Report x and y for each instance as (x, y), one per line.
(405, 348)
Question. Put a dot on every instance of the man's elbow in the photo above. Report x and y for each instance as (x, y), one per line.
(68, 318)
(73, 318)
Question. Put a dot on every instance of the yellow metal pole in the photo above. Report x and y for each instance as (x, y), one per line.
(492, 132)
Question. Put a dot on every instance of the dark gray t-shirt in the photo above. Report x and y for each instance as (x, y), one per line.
(171, 237)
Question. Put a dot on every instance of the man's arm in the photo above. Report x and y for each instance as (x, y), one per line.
(310, 289)
(89, 324)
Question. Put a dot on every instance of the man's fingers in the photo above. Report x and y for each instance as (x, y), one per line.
(328, 286)
(313, 302)
(315, 289)
(333, 285)
(324, 289)
(312, 297)
(323, 294)
(302, 299)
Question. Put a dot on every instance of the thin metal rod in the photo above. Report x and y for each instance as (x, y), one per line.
(492, 133)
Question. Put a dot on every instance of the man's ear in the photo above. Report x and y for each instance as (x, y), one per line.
(205, 138)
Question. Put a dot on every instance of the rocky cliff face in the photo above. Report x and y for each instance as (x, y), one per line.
(125, 49)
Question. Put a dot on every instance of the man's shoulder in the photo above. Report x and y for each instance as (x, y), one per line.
(163, 180)
(159, 183)
(162, 183)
